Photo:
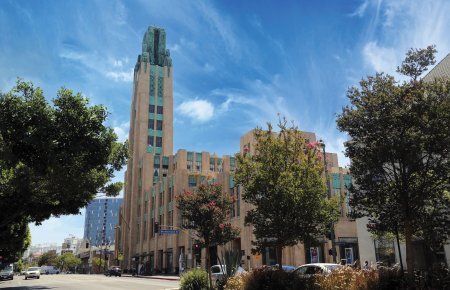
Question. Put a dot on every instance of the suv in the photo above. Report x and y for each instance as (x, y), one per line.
(7, 273)
(34, 272)
(114, 271)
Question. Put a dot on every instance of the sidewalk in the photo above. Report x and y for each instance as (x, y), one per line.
(159, 277)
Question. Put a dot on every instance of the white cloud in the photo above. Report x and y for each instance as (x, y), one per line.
(382, 59)
(122, 131)
(120, 75)
(198, 110)
(116, 69)
(361, 9)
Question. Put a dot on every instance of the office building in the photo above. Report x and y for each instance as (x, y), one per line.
(100, 219)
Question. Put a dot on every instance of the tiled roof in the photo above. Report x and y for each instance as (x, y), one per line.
(441, 70)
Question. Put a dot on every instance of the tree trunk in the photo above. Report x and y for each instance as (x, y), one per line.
(208, 266)
(409, 250)
(279, 250)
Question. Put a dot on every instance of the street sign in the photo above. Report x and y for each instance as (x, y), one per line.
(169, 232)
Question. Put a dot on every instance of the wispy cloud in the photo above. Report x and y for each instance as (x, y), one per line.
(114, 70)
(406, 24)
(198, 110)
(122, 131)
(382, 59)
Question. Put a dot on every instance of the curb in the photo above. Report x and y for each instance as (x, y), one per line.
(168, 278)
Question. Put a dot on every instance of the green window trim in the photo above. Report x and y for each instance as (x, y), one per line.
(158, 133)
(158, 150)
(159, 117)
(152, 115)
(161, 210)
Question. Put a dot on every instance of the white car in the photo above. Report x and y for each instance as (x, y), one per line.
(33, 272)
(49, 270)
(316, 269)
(217, 272)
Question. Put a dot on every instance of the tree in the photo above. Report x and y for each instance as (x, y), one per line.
(53, 159)
(14, 240)
(48, 259)
(101, 263)
(67, 261)
(399, 148)
(284, 182)
(206, 211)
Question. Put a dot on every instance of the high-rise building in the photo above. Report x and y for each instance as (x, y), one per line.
(155, 175)
(100, 219)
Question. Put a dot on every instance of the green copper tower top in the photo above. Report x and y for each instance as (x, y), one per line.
(154, 48)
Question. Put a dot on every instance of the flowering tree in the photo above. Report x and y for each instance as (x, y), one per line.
(206, 211)
(284, 182)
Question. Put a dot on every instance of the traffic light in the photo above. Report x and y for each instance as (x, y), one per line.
(156, 228)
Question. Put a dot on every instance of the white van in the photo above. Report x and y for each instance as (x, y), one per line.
(49, 270)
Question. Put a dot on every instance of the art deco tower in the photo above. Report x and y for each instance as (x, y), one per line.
(151, 129)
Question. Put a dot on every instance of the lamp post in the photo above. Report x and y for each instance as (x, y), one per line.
(129, 234)
(327, 178)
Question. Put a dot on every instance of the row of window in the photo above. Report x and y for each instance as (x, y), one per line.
(159, 109)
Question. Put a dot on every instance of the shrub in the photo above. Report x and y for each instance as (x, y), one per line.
(347, 278)
(237, 282)
(196, 279)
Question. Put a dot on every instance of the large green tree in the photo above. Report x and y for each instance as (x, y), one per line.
(400, 154)
(284, 182)
(49, 258)
(55, 158)
(68, 261)
(206, 211)
(15, 238)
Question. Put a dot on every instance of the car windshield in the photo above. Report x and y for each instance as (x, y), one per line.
(33, 269)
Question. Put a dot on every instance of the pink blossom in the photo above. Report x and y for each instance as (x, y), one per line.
(310, 145)
(221, 226)
(211, 204)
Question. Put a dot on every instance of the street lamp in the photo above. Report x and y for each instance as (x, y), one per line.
(327, 178)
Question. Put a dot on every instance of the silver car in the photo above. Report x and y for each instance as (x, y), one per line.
(316, 269)
(33, 272)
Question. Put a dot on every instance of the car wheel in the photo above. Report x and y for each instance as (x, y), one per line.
(12, 278)
(38, 277)
(26, 278)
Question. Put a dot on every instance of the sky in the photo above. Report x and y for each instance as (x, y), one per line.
(236, 64)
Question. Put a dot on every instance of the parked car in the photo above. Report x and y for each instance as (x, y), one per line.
(218, 272)
(316, 269)
(49, 270)
(7, 273)
(33, 272)
(114, 271)
(286, 268)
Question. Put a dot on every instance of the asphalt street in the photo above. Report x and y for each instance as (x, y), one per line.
(88, 282)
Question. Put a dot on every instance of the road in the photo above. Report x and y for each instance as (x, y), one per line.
(87, 282)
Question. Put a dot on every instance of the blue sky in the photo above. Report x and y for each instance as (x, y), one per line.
(236, 64)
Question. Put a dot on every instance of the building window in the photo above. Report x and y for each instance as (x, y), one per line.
(189, 165)
(198, 165)
(159, 125)
(192, 181)
(158, 141)
(151, 123)
(212, 166)
(150, 140)
(151, 108)
(145, 230)
(385, 251)
(159, 110)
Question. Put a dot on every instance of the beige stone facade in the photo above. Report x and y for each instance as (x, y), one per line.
(155, 176)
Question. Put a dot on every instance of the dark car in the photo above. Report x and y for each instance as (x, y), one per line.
(114, 271)
(6, 274)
